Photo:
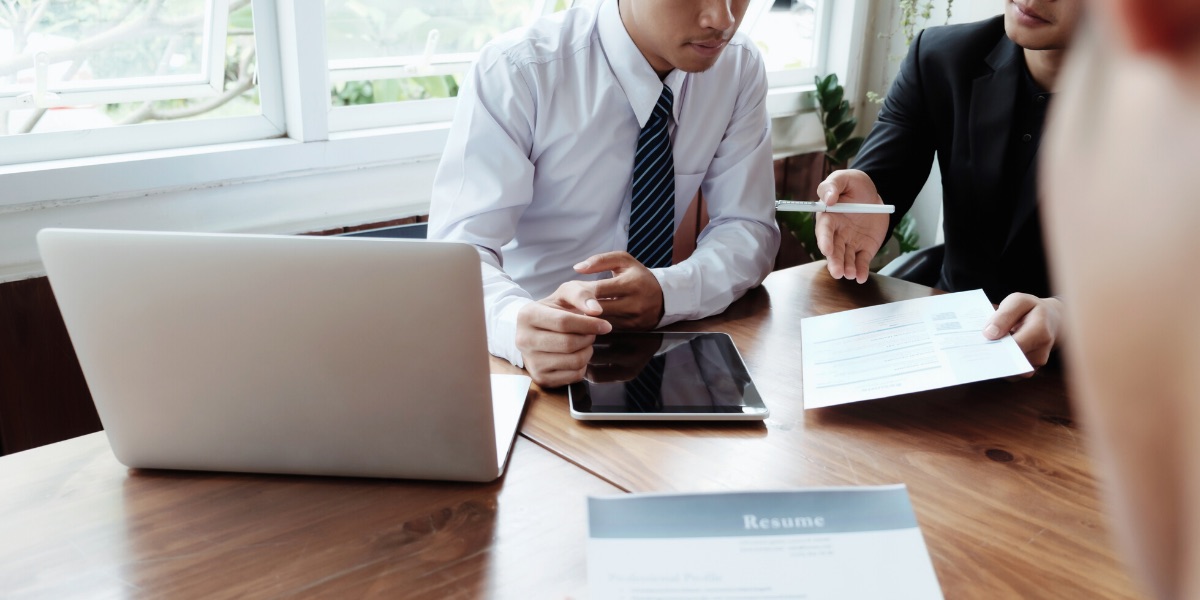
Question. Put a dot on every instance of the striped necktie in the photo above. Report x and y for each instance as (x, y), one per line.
(652, 213)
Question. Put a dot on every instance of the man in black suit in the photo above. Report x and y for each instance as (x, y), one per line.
(976, 95)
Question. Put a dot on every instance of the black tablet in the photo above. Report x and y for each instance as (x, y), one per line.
(666, 376)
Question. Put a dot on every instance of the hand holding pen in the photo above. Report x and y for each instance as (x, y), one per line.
(851, 223)
(844, 207)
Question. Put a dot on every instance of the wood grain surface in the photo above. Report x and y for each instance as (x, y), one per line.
(997, 472)
(77, 524)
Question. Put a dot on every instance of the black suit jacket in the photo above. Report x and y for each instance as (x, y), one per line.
(955, 96)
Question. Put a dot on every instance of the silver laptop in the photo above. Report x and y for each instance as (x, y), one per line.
(286, 354)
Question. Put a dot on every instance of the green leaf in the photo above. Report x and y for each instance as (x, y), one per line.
(906, 234)
(846, 151)
(831, 142)
(843, 131)
(832, 99)
(832, 81)
(822, 85)
(834, 117)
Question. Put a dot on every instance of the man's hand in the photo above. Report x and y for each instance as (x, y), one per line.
(849, 242)
(632, 298)
(555, 334)
(1034, 323)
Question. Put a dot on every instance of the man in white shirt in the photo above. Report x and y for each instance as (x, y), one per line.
(539, 173)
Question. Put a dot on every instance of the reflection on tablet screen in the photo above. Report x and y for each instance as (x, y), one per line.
(689, 373)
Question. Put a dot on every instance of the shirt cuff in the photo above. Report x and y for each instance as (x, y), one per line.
(681, 297)
(502, 331)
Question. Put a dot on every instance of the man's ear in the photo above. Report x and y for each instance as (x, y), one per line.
(1168, 28)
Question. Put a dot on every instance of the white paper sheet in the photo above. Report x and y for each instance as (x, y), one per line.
(903, 347)
(818, 544)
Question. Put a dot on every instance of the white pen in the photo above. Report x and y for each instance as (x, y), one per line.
(841, 207)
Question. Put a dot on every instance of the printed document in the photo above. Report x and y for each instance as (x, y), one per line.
(903, 347)
(817, 544)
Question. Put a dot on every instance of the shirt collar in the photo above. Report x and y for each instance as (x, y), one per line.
(633, 72)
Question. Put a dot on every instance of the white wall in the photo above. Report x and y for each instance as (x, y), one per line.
(882, 64)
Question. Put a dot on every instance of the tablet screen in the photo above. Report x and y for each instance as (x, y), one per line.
(647, 375)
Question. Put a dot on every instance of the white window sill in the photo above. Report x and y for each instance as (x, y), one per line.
(38, 185)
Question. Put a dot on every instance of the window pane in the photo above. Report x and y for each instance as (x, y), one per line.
(384, 28)
(786, 35)
(138, 49)
(389, 51)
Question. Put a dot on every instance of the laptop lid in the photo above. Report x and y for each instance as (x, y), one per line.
(282, 354)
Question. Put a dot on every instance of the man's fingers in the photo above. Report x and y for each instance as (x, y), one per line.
(1008, 314)
(579, 296)
(607, 289)
(557, 320)
(862, 265)
(831, 189)
(565, 322)
(557, 378)
(836, 256)
(607, 261)
(550, 369)
(849, 271)
(1033, 337)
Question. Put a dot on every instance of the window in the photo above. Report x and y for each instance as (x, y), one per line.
(148, 123)
(153, 74)
(382, 51)
(789, 33)
(104, 66)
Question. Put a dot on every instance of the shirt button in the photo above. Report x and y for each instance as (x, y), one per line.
(1026, 138)
(626, 227)
(1041, 99)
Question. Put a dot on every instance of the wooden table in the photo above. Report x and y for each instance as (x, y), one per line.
(74, 523)
(997, 473)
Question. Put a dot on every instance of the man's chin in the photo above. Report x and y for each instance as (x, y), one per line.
(695, 66)
(1036, 41)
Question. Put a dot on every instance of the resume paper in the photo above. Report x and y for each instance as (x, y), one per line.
(819, 544)
(903, 347)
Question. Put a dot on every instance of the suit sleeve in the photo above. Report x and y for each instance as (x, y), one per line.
(899, 150)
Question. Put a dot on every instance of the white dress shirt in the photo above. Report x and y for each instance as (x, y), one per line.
(538, 167)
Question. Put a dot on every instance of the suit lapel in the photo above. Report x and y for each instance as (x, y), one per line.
(993, 97)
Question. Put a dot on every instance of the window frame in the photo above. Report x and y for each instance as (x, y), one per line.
(787, 78)
(412, 112)
(103, 171)
(148, 137)
(208, 82)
